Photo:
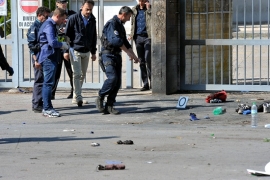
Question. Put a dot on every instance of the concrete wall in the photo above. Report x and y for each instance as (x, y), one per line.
(165, 46)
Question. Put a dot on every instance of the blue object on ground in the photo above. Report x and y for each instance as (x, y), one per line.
(193, 117)
(245, 112)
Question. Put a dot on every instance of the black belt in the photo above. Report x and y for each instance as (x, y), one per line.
(109, 52)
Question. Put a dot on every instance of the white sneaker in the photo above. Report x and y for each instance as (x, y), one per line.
(266, 108)
(50, 113)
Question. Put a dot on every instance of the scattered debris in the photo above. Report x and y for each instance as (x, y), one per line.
(219, 111)
(267, 126)
(260, 173)
(111, 167)
(95, 144)
(66, 130)
(193, 117)
(221, 95)
(125, 142)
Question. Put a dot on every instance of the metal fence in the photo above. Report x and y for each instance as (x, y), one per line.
(222, 53)
(17, 53)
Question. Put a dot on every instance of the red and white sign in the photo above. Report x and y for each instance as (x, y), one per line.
(29, 6)
(3, 7)
(27, 12)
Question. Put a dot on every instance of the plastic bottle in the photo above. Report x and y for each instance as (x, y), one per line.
(254, 115)
(217, 111)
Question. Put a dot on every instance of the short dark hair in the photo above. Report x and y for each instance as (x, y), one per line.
(88, 2)
(125, 9)
(41, 10)
(60, 12)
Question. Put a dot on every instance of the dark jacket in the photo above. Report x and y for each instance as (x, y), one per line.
(115, 33)
(147, 14)
(82, 38)
(32, 37)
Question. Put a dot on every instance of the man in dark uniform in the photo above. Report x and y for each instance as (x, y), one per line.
(113, 42)
(32, 38)
(65, 56)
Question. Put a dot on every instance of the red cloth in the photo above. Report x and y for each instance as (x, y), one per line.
(222, 95)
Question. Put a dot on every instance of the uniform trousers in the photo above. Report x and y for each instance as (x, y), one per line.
(113, 70)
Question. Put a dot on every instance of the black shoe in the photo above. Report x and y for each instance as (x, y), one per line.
(38, 109)
(70, 96)
(99, 104)
(110, 110)
(10, 71)
(145, 89)
(79, 101)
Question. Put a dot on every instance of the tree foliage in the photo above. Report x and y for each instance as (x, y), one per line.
(48, 3)
(6, 18)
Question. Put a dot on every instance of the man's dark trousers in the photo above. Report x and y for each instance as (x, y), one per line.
(58, 74)
(113, 72)
(37, 89)
(143, 47)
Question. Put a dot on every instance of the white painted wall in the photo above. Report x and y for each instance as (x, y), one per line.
(110, 9)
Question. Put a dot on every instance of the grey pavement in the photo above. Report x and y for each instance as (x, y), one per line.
(167, 145)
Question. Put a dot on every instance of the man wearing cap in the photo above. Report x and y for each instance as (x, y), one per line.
(65, 56)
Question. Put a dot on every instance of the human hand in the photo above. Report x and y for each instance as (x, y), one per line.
(148, 5)
(66, 56)
(37, 65)
(93, 57)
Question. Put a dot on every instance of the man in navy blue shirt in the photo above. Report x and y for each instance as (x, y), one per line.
(32, 38)
(114, 40)
(141, 33)
(48, 56)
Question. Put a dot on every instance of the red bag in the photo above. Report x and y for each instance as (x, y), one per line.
(222, 95)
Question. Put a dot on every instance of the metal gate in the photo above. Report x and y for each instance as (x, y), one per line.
(16, 51)
(225, 45)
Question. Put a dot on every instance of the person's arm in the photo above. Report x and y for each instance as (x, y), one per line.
(132, 25)
(69, 31)
(32, 38)
(94, 42)
(148, 7)
(51, 36)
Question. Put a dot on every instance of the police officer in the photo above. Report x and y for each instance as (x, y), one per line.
(32, 38)
(65, 56)
(113, 42)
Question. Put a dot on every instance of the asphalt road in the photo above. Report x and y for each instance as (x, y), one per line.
(167, 145)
